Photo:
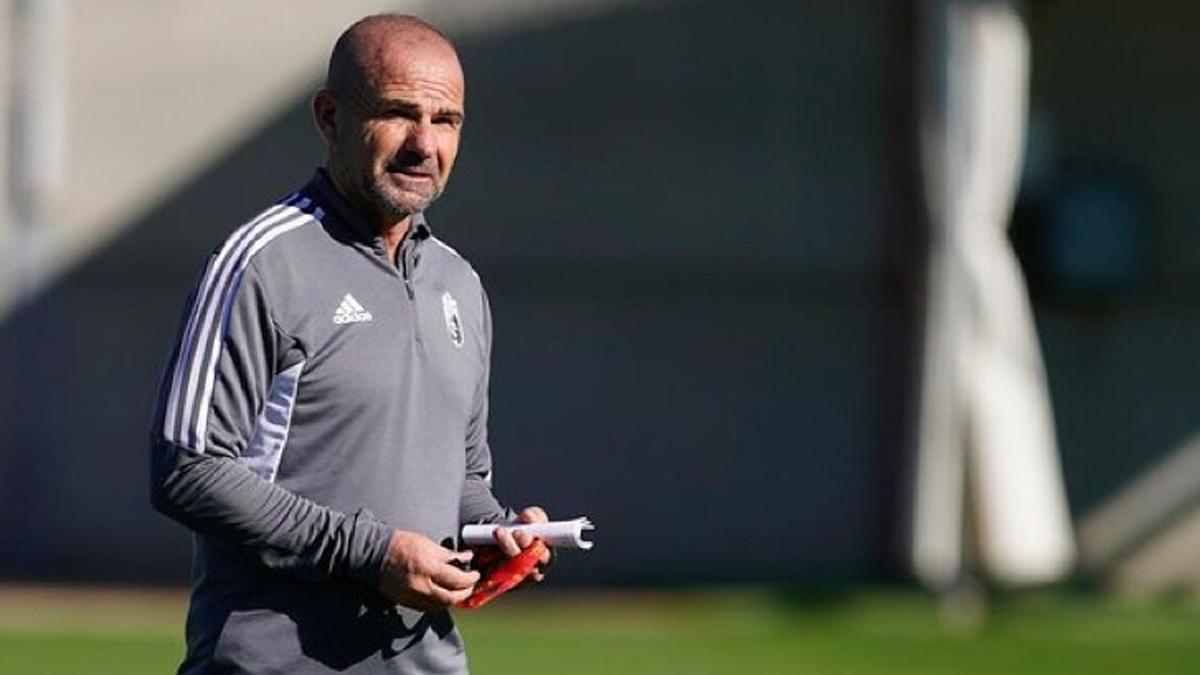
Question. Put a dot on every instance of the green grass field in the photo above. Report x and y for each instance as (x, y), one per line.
(53, 632)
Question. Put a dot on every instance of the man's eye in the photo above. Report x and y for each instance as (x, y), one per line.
(397, 113)
(452, 121)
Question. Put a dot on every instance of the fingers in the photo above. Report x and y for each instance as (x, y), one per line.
(447, 596)
(534, 514)
(463, 557)
(451, 578)
(524, 539)
(428, 596)
(545, 561)
(512, 542)
(421, 574)
(448, 586)
(507, 542)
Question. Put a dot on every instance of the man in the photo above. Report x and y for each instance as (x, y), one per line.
(322, 422)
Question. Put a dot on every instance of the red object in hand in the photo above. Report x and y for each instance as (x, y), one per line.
(506, 576)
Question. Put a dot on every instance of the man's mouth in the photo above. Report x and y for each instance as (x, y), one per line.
(419, 171)
(412, 179)
(412, 173)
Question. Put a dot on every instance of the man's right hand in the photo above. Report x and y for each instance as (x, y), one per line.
(419, 574)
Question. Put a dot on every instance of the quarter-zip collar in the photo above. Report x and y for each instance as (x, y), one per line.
(355, 224)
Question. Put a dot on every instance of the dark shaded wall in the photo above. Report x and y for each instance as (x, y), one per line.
(1115, 97)
(676, 210)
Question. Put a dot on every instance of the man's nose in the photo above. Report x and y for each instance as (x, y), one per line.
(421, 139)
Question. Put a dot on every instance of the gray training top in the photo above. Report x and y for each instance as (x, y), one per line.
(319, 396)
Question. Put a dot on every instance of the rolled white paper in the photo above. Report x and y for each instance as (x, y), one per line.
(557, 533)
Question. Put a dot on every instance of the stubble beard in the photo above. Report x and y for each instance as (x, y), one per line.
(376, 196)
(391, 203)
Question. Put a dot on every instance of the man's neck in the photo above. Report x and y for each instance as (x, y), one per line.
(391, 232)
(393, 235)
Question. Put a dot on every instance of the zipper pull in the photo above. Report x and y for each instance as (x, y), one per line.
(406, 270)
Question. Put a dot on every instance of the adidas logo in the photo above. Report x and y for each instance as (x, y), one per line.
(351, 311)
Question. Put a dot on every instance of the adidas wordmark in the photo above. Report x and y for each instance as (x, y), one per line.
(351, 311)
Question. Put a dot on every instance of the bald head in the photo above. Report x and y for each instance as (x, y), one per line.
(391, 114)
(373, 47)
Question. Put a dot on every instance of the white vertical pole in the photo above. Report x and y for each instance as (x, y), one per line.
(1024, 526)
(6, 216)
(986, 428)
(937, 545)
(37, 137)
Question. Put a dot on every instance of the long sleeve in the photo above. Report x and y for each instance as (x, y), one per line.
(213, 409)
(479, 504)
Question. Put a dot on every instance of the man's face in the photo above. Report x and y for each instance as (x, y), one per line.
(396, 138)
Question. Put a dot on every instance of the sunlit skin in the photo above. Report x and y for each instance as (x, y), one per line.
(391, 114)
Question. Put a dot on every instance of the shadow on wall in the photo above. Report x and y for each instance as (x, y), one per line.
(674, 210)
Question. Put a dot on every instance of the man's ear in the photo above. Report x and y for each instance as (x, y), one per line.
(324, 110)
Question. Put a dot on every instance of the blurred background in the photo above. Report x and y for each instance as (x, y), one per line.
(844, 322)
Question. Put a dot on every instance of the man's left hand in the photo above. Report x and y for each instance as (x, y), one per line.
(512, 543)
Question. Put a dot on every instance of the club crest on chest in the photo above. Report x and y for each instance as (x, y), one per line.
(453, 321)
